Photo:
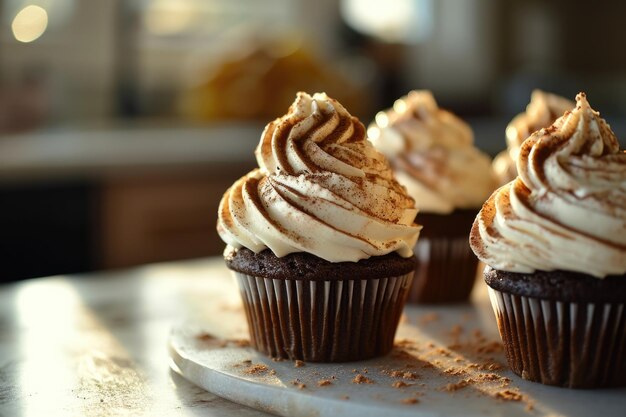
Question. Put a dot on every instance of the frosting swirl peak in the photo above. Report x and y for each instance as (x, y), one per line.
(432, 152)
(320, 188)
(543, 109)
(567, 208)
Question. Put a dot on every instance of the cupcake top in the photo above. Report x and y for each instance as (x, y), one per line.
(432, 152)
(320, 188)
(567, 208)
(543, 109)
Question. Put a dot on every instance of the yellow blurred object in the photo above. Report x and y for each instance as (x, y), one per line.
(262, 84)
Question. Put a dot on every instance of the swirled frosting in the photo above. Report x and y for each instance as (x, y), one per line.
(432, 153)
(567, 208)
(320, 188)
(543, 109)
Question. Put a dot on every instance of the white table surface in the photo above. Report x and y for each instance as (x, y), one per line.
(96, 344)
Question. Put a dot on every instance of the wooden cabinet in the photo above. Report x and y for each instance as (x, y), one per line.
(158, 217)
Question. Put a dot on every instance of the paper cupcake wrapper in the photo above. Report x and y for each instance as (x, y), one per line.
(323, 321)
(575, 345)
(446, 272)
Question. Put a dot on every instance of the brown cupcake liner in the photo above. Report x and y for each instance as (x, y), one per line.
(569, 344)
(446, 272)
(326, 320)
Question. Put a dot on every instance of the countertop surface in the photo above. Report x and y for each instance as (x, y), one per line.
(96, 344)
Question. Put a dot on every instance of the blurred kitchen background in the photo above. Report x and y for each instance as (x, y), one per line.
(123, 121)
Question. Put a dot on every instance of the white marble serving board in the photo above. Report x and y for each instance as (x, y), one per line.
(454, 353)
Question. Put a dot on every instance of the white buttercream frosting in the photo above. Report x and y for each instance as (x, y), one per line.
(543, 109)
(567, 208)
(320, 188)
(433, 154)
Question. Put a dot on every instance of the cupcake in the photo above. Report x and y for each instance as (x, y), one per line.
(543, 109)
(554, 241)
(432, 153)
(320, 238)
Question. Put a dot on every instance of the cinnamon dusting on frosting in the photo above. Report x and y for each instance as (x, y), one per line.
(543, 109)
(320, 188)
(566, 210)
(432, 154)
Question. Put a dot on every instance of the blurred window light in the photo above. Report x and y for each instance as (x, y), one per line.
(168, 17)
(29, 23)
(406, 21)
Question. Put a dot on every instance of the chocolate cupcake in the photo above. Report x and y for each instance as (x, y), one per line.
(554, 240)
(543, 109)
(320, 238)
(432, 154)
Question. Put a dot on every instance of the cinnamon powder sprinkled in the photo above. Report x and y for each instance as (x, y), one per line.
(455, 371)
(400, 384)
(508, 395)
(256, 369)
(240, 342)
(361, 379)
(298, 384)
(324, 382)
(459, 385)
(410, 401)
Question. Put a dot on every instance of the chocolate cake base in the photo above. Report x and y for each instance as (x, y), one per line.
(447, 266)
(302, 307)
(562, 328)
(301, 265)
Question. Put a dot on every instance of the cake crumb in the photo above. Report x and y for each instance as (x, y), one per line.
(272, 372)
(298, 363)
(256, 369)
(490, 366)
(493, 377)
(205, 337)
(246, 362)
(240, 342)
(508, 395)
(410, 401)
(361, 379)
(344, 397)
(298, 384)
(277, 359)
(324, 382)
(455, 371)
(400, 384)
(443, 352)
(404, 343)
(211, 340)
(458, 385)
(409, 375)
